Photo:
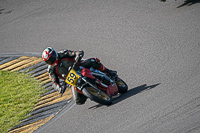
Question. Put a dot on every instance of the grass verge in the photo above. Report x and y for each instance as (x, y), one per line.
(19, 93)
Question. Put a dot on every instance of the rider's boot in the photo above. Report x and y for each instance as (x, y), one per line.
(112, 73)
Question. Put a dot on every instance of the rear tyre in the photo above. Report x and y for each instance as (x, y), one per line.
(97, 96)
(122, 86)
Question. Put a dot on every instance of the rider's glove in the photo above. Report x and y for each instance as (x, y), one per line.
(61, 90)
(57, 87)
(79, 54)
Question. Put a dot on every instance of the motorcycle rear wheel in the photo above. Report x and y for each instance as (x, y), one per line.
(122, 86)
(97, 96)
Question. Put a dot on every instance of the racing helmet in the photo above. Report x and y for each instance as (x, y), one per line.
(50, 56)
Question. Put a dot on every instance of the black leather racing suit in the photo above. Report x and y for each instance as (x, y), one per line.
(67, 59)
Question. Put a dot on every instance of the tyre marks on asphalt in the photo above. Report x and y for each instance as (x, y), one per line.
(50, 103)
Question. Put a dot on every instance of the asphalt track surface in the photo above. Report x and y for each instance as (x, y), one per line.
(154, 46)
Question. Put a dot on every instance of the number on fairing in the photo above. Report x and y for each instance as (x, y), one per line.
(71, 78)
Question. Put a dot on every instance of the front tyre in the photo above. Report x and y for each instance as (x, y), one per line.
(97, 95)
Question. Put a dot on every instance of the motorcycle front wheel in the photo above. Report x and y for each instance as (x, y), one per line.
(97, 95)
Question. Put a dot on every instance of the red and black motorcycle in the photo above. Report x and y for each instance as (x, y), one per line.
(94, 84)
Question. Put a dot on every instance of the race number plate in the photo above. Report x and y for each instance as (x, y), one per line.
(72, 78)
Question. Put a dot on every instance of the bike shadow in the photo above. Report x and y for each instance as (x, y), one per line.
(189, 3)
(132, 92)
(129, 93)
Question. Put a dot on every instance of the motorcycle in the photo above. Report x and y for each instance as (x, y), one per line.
(94, 84)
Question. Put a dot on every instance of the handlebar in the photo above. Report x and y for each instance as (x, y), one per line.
(76, 61)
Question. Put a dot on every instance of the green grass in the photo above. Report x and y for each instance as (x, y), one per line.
(18, 94)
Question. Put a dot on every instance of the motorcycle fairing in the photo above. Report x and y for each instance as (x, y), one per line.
(112, 90)
(87, 73)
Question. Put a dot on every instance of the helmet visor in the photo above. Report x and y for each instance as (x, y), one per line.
(53, 58)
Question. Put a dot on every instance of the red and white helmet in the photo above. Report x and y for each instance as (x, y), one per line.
(50, 56)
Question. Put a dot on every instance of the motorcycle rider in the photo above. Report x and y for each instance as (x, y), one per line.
(61, 61)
